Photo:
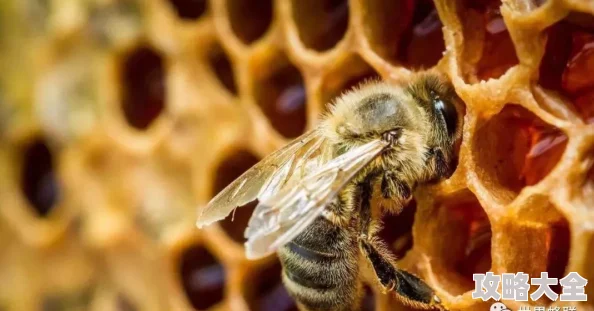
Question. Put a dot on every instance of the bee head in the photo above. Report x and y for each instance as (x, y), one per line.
(438, 101)
(367, 113)
(415, 119)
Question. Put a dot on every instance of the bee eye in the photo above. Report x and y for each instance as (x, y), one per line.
(449, 114)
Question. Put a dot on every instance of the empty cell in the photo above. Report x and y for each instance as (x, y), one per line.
(397, 230)
(202, 277)
(282, 97)
(498, 53)
(222, 68)
(265, 291)
(143, 86)
(250, 19)
(321, 23)
(189, 9)
(230, 169)
(568, 62)
(405, 31)
(39, 182)
(515, 148)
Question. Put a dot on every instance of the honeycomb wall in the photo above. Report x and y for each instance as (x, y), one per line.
(118, 118)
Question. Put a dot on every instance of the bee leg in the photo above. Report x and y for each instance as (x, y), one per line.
(393, 187)
(408, 289)
(439, 162)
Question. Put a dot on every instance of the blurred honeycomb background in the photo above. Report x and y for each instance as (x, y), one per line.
(119, 118)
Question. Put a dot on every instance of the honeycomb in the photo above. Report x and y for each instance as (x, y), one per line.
(118, 118)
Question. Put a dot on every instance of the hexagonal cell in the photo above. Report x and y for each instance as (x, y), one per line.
(282, 97)
(250, 27)
(483, 19)
(404, 31)
(345, 77)
(462, 235)
(189, 9)
(222, 68)
(143, 86)
(397, 230)
(39, 182)
(202, 277)
(229, 169)
(321, 23)
(457, 237)
(568, 62)
(515, 148)
(265, 291)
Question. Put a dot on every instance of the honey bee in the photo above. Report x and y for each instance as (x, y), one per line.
(377, 141)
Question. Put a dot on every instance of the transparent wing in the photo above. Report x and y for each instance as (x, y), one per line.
(281, 217)
(263, 179)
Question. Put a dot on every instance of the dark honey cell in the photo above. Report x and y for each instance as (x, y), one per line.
(568, 62)
(397, 230)
(515, 148)
(558, 243)
(39, 182)
(498, 53)
(464, 235)
(202, 277)
(143, 87)
(557, 52)
(250, 19)
(229, 170)
(321, 23)
(222, 68)
(282, 97)
(405, 31)
(265, 291)
(189, 9)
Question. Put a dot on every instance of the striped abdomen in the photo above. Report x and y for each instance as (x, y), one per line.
(320, 267)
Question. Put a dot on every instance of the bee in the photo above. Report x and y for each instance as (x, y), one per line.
(315, 194)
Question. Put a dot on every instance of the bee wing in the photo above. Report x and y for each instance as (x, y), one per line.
(261, 180)
(281, 217)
